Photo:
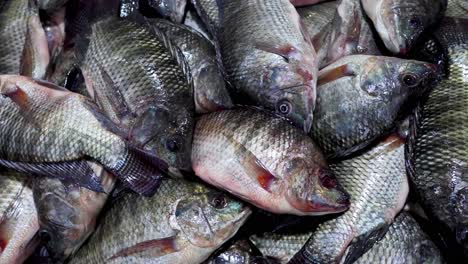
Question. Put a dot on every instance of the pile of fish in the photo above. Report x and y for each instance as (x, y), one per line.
(233, 131)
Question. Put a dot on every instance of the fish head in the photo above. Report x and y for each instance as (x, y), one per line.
(314, 189)
(167, 133)
(290, 85)
(210, 217)
(402, 22)
(394, 80)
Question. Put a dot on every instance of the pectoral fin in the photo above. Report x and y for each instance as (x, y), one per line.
(151, 248)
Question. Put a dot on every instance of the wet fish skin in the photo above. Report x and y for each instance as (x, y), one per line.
(266, 161)
(51, 5)
(437, 157)
(400, 23)
(457, 8)
(306, 2)
(67, 213)
(172, 9)
(59, 128)
(184, 223)
(18, 217)
(377, 183)
(208, 11)
(13, 26)
(210, 92)
(194, 21)
(404, 242)
(362, 97)
(316, 17)
(135, 79)
(274, 68)
(280, 247)
(240, 252)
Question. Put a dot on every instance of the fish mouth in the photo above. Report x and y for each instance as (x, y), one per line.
(318, 205)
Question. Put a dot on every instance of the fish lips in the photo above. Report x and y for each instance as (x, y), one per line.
(317, 204)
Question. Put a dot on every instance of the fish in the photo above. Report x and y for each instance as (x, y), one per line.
(306, 2)
(54, 28)
(13, 26)
(457, 8)
(437, 158)
(378, 185)
(68, 213)
(347, 33)
(185, 222)
(133, 73)
(240, 252)
(268, 58)
(316, 17)
(51, 6)
(208, 11)
(210, 92)
(400, 23)
(172, 9)
(362, 97)
(51, 132)
(18, 217)
(261, 158)
(194, 21)
(278, 246)
(404, 242)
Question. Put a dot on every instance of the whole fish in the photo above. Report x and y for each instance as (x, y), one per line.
(399, 23)
(240, 252)
(347, 33)
(18, 217)
(457, 8)
(51, 132)
(280, 247)
(210, 92)
(67, 213)
(266, 161)
(404, 242)
(361, 97)
(134, 77)
(14, 15)
(377, 183)
(183, 223)
(172, 9)
(437, 154)
(268, 58)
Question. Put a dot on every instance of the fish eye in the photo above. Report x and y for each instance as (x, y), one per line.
(219, 201)
(284, 107)
(410, 79)
(44, 235)
(327, 180)
(173, 144)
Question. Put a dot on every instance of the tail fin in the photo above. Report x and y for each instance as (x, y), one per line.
(140, 171)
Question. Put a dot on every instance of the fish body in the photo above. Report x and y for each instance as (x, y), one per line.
(266, 161)
(317, 17)
(67, 213)
(280, 247)
(306, 2)
(240, 252)
(18, 217)
(194, 21)
(210, 92)
(361, 97)
(437, 150)
(13, 25)
(268, 58)
(377, 183)
(209, 13)
(399, 23)
(50, 132)
(172, 9)
(183, 223)
(457, 8)
(404, 242)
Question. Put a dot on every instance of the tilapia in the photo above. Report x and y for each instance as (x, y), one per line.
(18, 217)
(172, 9)
(13, 25)
(306, 2)
(52, 132)
(266, 161)
(399, 23)
(240, 252)
(208, 10)
(268, 58)
(362, 97)
(437, 153)
(194, 21)
(378, 185)
(316, 17)
(280, 247)
(67, 213)
(183, 223)
(404, 242)
(457, 8)
(130, 71)
(210, 92)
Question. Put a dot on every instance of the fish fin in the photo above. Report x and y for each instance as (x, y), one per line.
(77, 172)
(284, 51)
(103, 119)
(35, 57)
(150, 248)
(252, 166)
(335, 74)
(140, 171)
(50, 85)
